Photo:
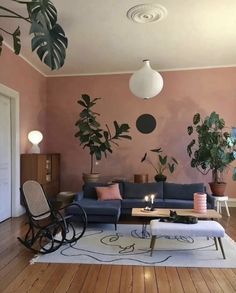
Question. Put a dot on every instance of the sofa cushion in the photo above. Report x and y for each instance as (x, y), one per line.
(96, 207)
(139, 190)
(181, 191)
(110, 192)
(89, 189)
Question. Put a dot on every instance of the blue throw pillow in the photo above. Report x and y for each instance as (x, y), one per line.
(139, 190)
(182, 191)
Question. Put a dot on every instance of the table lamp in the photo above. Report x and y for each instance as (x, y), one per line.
(35, 137)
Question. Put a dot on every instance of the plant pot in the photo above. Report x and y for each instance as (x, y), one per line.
(159, 178)
(217, 188)
(91, 177)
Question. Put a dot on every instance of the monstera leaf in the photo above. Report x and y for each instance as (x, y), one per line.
(44, 7)
(50, 44)
(1, 40)
(49, 40)
(16, 41)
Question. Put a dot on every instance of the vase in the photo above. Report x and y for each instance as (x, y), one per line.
(160, 177)
(217, 188)
(91, 177)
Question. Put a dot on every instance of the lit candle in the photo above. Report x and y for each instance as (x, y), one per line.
(146, 198)
(152, 198)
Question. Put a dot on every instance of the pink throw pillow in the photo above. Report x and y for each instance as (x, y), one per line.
(108, 192)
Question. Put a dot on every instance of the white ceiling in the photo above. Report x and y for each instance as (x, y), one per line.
(195, 34)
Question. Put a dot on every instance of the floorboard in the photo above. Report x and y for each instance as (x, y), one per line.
(17, 275)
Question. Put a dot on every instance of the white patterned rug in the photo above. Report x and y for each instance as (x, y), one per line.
(101, 244)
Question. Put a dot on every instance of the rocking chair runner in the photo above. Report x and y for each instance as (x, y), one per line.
(48, 228)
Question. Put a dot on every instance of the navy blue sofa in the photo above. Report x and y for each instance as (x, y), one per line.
(167, 195)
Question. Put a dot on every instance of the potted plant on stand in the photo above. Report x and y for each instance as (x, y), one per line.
(99, 141)
(212, 150)
(164, 163)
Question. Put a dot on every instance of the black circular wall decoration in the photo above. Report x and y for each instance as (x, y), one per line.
(146, 123)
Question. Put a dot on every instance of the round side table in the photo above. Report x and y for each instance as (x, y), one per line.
(219, 200)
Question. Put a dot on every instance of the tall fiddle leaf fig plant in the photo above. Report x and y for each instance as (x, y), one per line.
(212, 148)
(99, 141)
(48, 37)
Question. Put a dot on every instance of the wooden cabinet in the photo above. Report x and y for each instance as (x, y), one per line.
(44, 168)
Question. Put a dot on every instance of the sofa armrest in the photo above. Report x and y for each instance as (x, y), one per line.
(211, 200)
(79, 196)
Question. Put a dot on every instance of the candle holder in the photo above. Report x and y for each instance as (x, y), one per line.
(149, 199)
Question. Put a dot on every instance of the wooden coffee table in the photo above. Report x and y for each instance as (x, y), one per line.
(160, 213)
(163, 213)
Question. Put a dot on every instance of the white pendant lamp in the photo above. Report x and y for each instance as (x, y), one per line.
(146, 83)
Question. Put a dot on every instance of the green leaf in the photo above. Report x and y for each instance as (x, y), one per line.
(116, 125)
(106, 135)
(16, 41)
(44, 7)
(171, 168)
(50, 44)
(1, 41)
(234, 174)
(190, 130)
(124, 127)
(98, 154)
(176, 162)
(125, 136)
(81, 103)
(196, 118)
(163, 160)
(144, 157)
(159, 150)
(189, 147)
(86, 99)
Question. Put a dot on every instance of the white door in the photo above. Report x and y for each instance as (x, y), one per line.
(5, 158)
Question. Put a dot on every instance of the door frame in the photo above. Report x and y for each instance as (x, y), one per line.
(16, 207)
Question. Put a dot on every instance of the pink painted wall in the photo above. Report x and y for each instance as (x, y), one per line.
(17, 74)
(184, 94)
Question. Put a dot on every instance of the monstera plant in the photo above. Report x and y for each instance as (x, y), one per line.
(48, 37)
(212, 149)
(99, 141)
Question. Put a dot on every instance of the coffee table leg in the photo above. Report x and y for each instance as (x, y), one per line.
(145, 233)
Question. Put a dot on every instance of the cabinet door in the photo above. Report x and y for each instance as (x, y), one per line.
(55, 171)
(29, 167)
(42, 169)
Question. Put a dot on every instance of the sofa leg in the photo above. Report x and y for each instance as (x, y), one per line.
(115, 226)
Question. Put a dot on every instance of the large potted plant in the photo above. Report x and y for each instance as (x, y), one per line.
(213, 149)
(99, 141)
(164, 163)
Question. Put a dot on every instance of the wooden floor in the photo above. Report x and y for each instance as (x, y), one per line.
(17, 275)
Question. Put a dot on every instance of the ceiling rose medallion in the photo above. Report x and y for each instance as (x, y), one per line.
(144, 13)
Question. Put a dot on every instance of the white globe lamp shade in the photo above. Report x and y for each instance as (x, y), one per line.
(146, 83)
(35, 137)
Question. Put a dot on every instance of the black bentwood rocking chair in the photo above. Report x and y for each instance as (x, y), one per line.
(48, 228)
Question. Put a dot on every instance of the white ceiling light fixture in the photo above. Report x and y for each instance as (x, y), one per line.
(146, 83)
(144, 13)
